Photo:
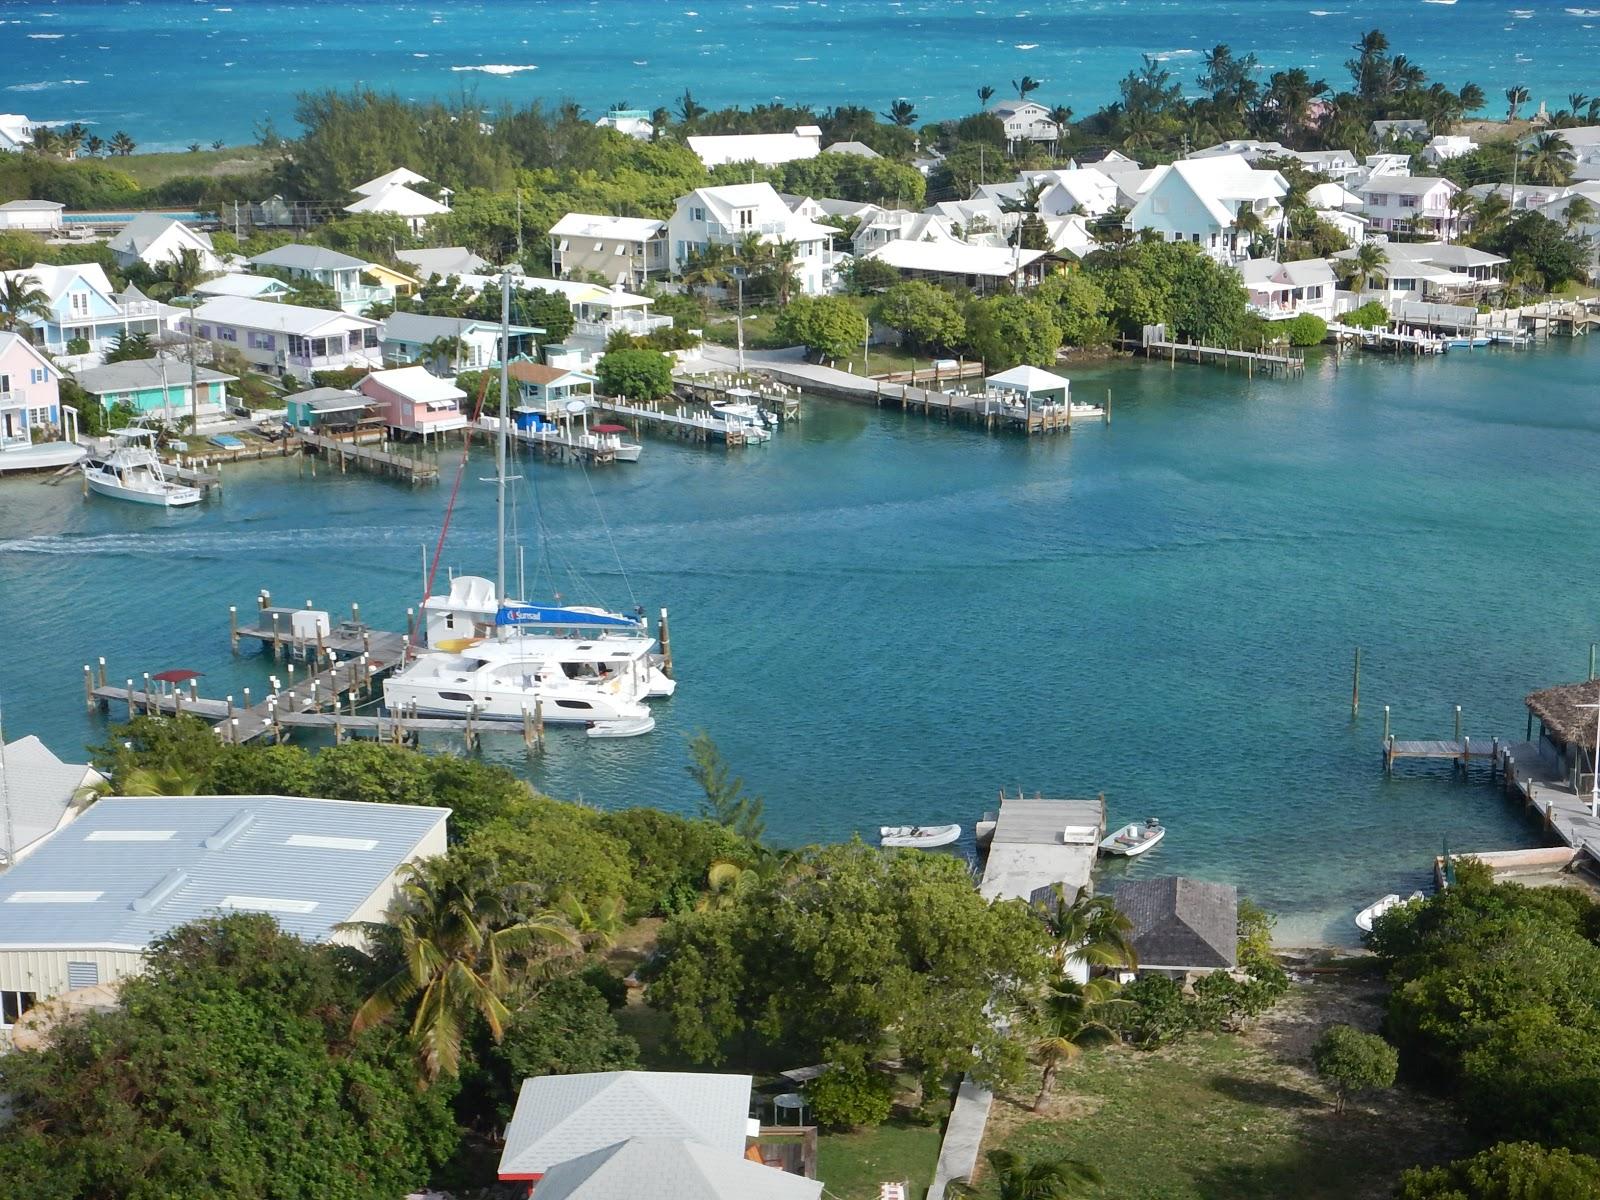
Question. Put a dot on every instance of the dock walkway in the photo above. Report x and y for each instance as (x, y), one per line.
(1153, 342)
(371, 458)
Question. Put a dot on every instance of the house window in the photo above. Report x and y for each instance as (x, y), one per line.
(80, 304)
(697, 214)
(369, 339)
(39, 416)
(227, 333)
(5, 384)
(565, 246)
(746, 217)
(1408, 201)
(1158, 204)
(12, 1006)
(38, 375)
(599, 246)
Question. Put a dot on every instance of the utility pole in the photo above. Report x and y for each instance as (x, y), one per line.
(10, 847)
(739, 321)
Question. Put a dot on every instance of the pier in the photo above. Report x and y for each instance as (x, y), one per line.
(1154, 343)
(678, 421)
(376, 459)
(1384, 339)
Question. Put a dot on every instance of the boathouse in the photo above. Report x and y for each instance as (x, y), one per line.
(1181, 927)
(1567, 728)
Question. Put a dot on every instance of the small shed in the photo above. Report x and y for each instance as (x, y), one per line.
(1567, 727)
(43, 216)
(1181, 926)
(1031, 385)
(330, 410)
(549, 388)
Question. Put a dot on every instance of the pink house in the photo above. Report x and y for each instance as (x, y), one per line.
(411, 400)
(36, 429)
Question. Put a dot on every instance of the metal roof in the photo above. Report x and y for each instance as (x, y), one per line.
(300, 256)
(132, 868)
(136, 373)
(559, 1117)
(670, 1169)
(278, 316)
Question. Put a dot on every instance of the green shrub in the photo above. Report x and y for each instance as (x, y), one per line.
(1352, 1061)
(1509, 1171)
(1369, 316)
(1307, 329)
(850, 1093)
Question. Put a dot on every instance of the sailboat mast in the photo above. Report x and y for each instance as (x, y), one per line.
(500, 442)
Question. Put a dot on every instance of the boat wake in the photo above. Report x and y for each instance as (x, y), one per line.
(498, 68)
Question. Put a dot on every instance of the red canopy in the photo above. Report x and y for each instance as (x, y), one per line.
(609, 428)
(177, 676)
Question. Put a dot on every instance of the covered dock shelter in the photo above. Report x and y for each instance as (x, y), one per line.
(1567, 729)
(1030, 386)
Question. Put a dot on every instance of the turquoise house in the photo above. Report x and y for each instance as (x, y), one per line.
(157, 387)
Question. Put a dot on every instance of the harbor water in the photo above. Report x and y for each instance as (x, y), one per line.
(884, 619)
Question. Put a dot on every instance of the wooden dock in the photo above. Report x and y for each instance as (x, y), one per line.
(677, 421)
(367, 457)
(1154, 343)
(1461, 751)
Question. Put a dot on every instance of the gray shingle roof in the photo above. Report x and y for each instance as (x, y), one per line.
(39, 788)
(446, 260)
(668, 1169)
(297, 256)
(1181, 922)
(136, 373)
(132, 868)
(560, 1117)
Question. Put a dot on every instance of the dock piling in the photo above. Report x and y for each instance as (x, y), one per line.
(130, 699)
(1386, 724)
(102, 663)
(1355, 688)
(1458, 722)
(1591, 660)
(664, 636)
(233, 627)
(88, 687)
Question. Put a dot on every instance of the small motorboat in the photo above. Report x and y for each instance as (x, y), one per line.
(133, 471)
(1133, 840)
(1377, 908)
(634, 727)
(918, 837)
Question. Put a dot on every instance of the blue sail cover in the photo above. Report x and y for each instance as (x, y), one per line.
(570, 618)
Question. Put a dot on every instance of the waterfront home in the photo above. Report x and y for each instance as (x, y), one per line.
(399, 177)
(412, 400)
(39, 216)
(340, 272)
(336, 412)
(449, 345)
(36, 429)
(1079, 189)
(1202, 201)
(549, 389)
(1403, 129)
(1587, 228)
(1583, 148)
(1182, 928)
(1445, 146)
(158, 387)
(398, 200)
(154, 240)
(1409, 204)
(443, 262)
(82, 909)
(982, 268)
(1279, 291)
(727, 215)
(763, 149)
(1440, 272)
(42, 792)
(288, 339)
(1337, 165)
(621, 250)
(1566, 730)
(1025, 121)
(853, 149)
(81, 305)
(559, 1118)
(247, 287)
(16, 132)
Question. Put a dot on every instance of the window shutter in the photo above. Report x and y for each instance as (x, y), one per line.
(82, 975)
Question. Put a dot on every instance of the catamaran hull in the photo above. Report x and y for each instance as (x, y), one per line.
(489, 707)
(171, 498)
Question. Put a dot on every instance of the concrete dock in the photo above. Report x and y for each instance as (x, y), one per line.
(1039, 843)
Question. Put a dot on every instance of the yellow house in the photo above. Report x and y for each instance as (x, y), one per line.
(402, 283)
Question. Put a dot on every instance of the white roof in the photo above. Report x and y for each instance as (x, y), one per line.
(765, 148)
(1029, 379)
(560, 1117)
(624, 229)
(54, 281)
(1331, 195)
(670, 1169)
(39, 788)
(1221, 184)
(576, 291)
(248, 286)
(416, 384)
(400, 175)
(1404, 185)
(303, 256)
(397, 200)
(954, 258)
(277, 317)
(31, 206)
(139, 234)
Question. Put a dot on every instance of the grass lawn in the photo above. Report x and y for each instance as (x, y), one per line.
(1236, 1117)
(148, 170)
(852, 1165)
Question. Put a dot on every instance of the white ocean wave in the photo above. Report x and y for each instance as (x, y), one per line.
(43, 85)
(497, 68)
(46, 37)
(1027, 46)
(1584, 12)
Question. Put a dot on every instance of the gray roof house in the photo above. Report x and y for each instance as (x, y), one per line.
(1409, 129)
(670, 1169)
(1181, 926)
(563, 1117)
(39, 792)
(858, 149)
(83, 907)
(445, 260)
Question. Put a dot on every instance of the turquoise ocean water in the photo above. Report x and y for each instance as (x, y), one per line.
(883, 619)
(175, 71)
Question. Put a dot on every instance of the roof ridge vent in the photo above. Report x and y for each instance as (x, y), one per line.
(174, 880)
(230, 832)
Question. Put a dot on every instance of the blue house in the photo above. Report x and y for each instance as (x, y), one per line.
(83, 305)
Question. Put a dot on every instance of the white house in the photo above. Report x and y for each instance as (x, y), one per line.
(341, 272)
(1248, 148)
(156, 240)
(1025, 121)
(630, 122)
(1352, 225)
(982, 268)
(398, 200)
(1337, 165)
(16, 132)
(43, 792)
(1279, 291)
(249, 287)
(288, 339)
(622, 250)
(765, 149)
(1201, 201)
(727, 215)
(1444, 273)
(895, 223)
(1446, 146)
(82, 909)
(1086, 189)
(1332, 195)
(1409, 203)
(41, 216)
(400, 176)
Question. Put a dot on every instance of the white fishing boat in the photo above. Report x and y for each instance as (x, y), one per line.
(1133, 840)
(918, 837)
(1377, 908)
(742, 417)
(492, 657)
(133, 471)
(1465, 342)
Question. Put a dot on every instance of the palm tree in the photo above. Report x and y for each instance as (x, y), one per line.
(1060, 117)
(1471, 97)
(160, 781)
(596, 924)
(1369, 260)
(707, 268)
(44, 139)
(450, 937)
(447, 348)
(122, 144)
(1577, 102)
(96, 146)
(689, 109)
(1549, 159)
(1516, 97)
(902, 113)
(194, 147)
(781, 265)
(1044, 1179)
(183, 273)
(660, 118)
(1248, 222)
(1490, 214)
(1579, 212)
(20, 297)
(1068, 1018)
(1091, 929)
(1025, 85)
(726, 884)
(985, 94)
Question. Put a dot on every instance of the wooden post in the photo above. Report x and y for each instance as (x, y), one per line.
(130, 699)
(233, 730)
(1458, 722)
(277, 640)
(527, 727)
(1591, 660)
(247, 699)
(1386, 723)
(177, 702)
(147, 708)
(88, 687)
(102, 663)
(538, 718)
(1355, 688)
(664, 636)
(355, 613)
(194, 689)
(233, 627)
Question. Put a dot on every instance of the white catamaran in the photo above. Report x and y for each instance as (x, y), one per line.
(503, 659)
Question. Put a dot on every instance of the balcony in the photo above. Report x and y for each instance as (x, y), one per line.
(636, 325)
(352, 299)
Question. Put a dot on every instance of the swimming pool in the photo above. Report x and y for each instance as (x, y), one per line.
(116, 218)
